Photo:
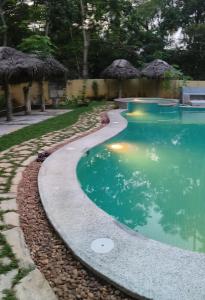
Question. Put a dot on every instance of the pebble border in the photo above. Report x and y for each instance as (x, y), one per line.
(33, 285)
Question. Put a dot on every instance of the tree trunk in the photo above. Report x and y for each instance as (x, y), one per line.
(85, 56)
(47, 25)
(86, 42)
(43, 104)
(27, 100)
(4, 25)
(47, 28)
(76, 57)
(8, 102)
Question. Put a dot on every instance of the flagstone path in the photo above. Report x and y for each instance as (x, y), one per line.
(16, 266)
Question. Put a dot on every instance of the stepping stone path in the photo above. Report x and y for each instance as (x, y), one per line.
(18, 274)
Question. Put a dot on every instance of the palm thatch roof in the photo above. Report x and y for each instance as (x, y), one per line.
(8, 52)
(16, 67)
(156, 69)
(120, 69)
(54, 69)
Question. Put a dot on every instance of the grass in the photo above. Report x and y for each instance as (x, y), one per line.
(6, 251)
(9, 295)
(53, 124)
(21, 274)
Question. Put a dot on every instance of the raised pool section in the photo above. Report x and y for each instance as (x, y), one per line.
(93, 211)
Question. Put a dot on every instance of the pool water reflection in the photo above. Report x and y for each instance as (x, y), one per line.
(151, 177)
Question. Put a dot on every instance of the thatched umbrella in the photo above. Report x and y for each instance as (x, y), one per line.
(120, 69)
(17, 67)
(54, 70)
(8, 52)
(156, 69)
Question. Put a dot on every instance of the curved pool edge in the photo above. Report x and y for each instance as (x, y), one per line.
(140, 266)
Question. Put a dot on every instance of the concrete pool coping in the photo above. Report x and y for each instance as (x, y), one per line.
(123, 102)
(146, 100)
(140, 266)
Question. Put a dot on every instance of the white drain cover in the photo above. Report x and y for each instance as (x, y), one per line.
(103, 245)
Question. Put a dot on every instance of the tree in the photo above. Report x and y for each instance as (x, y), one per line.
(189, 18)
(15, 18)
(38, 44)
(3, 21)
(85, 31)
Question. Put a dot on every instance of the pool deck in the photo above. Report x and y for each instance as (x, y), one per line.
(140, 266)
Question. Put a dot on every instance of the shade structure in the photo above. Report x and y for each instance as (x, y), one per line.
(120, 69)
(7, 52)
(54, 70)
(22, 69)
(156, 69)
(18, 67)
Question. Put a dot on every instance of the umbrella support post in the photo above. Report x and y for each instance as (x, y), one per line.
(27, 100)
(9, 107)
(120, 89)
(43, 104)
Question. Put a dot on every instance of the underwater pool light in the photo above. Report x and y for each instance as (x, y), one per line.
(116, 146)
(122, 147)
(137, 113)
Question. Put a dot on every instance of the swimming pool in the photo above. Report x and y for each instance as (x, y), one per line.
(151, 176)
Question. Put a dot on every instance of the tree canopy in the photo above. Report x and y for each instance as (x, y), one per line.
(87, 35)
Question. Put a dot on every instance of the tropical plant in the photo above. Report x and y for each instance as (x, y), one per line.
(39, 45)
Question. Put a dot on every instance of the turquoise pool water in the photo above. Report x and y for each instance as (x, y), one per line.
(151, 177)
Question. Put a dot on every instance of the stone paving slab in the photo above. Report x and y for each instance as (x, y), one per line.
(21, 120)
(6, 281)
(34, 287)
(8, 205)
(16, 240)
(12, 163)
(11, 219)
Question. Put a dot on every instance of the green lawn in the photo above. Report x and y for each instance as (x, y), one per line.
(37, 130)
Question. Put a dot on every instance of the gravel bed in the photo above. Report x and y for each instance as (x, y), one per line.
(69, 279)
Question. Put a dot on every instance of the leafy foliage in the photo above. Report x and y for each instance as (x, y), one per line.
(38, 44)
(138, 31)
